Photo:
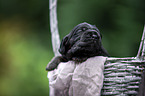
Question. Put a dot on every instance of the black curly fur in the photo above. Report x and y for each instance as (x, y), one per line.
(83, 42)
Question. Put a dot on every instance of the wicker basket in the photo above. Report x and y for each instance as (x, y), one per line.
(122, 75)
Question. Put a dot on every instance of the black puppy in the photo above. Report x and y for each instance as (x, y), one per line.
(83, 42)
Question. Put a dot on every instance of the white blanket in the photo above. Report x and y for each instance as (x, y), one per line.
(84, 79)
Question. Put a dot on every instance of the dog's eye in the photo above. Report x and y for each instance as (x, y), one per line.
(78, 31)
(84, 29)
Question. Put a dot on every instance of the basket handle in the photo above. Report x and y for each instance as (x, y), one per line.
(141, 51)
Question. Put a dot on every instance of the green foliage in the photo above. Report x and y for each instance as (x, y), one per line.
(120, 22)
(24, 59)
(25, 40)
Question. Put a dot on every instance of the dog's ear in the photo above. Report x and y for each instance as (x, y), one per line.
(63, 46)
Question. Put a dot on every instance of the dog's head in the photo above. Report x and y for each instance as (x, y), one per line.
(83, 38)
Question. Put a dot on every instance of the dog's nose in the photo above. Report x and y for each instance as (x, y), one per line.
(95, 36)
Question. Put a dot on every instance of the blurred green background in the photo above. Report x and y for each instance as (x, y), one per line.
(25, 39)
